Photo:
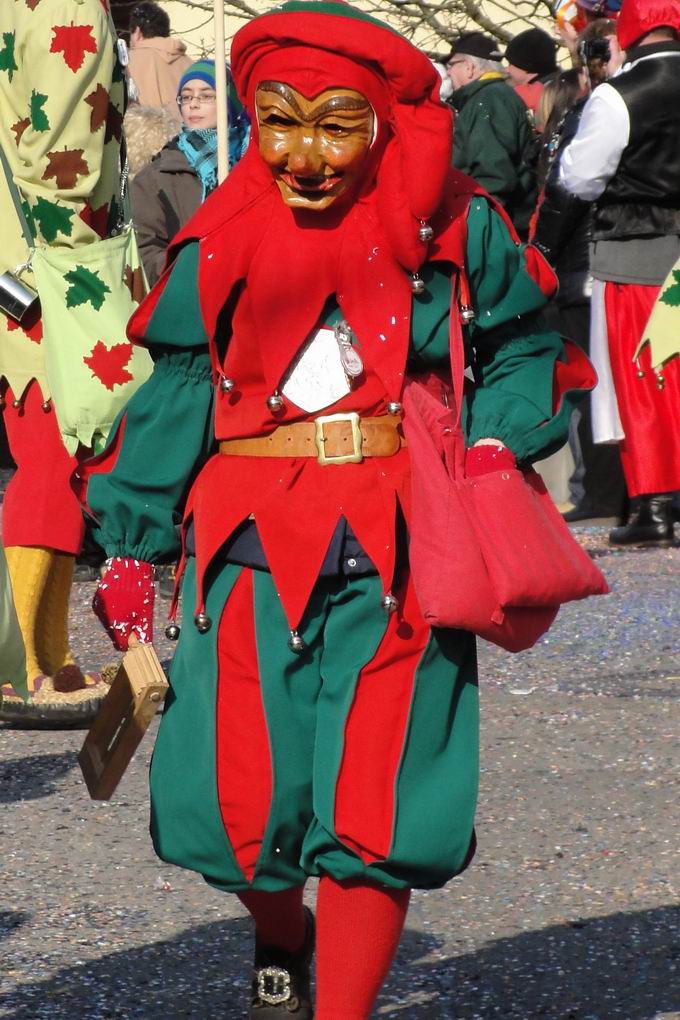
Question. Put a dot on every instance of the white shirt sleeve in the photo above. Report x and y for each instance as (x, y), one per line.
(590, 160)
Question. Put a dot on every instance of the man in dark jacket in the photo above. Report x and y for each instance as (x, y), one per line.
(493, 132)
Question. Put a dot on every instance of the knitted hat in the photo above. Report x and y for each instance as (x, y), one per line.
(532, 51)
(202, 70)
(476, 44)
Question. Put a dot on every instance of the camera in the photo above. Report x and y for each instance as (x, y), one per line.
(594, 49)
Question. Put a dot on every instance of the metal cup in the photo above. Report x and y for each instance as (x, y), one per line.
(17, 299)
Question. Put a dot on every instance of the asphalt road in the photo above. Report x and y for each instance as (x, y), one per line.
(568, 911)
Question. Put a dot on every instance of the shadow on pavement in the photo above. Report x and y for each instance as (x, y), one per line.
(30, 778)
(10, 920)
(621, 965)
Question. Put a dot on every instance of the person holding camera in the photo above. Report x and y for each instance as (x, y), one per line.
(563, 232)
(599, 52)
(625, 158)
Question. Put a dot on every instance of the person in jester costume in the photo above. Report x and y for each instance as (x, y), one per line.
(316, 725)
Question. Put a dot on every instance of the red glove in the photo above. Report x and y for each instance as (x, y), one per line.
(124, 600)
(479, 460)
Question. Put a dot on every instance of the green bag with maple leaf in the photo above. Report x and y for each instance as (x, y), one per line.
(87, 295)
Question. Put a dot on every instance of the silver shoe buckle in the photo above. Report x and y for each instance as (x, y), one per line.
(273, 985)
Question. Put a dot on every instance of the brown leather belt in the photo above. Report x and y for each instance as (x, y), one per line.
(332, 439)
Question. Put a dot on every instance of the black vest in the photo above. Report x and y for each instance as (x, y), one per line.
(643, 197)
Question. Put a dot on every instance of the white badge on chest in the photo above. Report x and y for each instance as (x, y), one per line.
(321, 373)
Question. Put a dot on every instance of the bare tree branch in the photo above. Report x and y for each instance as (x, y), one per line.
(431, 24)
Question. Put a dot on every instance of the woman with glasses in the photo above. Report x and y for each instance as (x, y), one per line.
(167, 192)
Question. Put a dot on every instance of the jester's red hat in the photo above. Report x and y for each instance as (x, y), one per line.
(315, 45)
(638, 17)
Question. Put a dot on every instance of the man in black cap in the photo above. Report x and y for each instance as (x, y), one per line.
(493, 131)
(530, 59)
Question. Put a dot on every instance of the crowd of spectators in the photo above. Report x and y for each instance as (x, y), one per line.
(584, 160)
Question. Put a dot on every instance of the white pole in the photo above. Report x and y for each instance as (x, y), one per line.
(221, 93)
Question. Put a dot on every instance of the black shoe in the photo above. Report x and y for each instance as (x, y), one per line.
(281, 980)
(652, 524)
(585, 512)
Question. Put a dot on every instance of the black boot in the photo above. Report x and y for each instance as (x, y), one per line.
(652, 524)
(281, 980)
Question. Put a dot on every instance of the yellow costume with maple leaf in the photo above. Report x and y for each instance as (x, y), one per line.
(61, 110)
(662, 332)
(62, 99)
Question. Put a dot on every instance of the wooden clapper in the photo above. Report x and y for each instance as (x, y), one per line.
(123, 719)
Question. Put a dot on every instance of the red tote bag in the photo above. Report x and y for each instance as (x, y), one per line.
(489, 554)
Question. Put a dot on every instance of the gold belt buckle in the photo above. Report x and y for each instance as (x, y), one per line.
(356, 456)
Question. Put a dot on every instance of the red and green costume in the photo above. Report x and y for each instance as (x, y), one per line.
(357, 758)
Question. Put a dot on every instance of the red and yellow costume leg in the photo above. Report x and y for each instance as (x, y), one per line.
(42, 531)
(650, 451)
(40, 507)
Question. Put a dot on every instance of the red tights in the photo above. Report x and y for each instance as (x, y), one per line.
(358, 931)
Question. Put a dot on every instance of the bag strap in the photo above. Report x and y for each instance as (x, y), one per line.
(124, 208)
(16, 198)
(460, 301)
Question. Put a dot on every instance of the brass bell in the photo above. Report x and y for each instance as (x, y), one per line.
(203, 623)
(47, 406)
(394, 407)
(640, 374)
(389, 603)
(275, 403)
(417, 285)
(467, 315)
(226, 385)
(172, 631)
(426, 233)
(16, 403)
(660, 382)
(295, 643)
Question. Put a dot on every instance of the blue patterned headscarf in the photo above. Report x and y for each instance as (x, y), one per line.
(200, 146)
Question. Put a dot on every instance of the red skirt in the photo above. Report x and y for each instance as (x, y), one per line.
(650, 451)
